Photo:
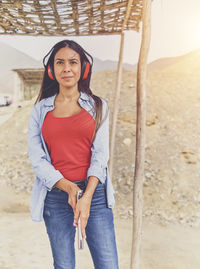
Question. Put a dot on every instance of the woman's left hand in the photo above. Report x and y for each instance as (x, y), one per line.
(82, 211)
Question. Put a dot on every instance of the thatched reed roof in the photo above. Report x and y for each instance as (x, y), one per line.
(69, 17)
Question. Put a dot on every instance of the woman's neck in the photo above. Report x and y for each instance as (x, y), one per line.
(66, 94)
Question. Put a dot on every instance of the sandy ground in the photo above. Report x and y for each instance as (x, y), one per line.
(25, 244)
(6, 112)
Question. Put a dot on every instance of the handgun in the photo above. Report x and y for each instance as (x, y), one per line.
(80, 237)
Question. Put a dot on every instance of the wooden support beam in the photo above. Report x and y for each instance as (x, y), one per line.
(90, 15)
(17, 90)
(140, 136)
(75, 16)
(102, 15)
(117, 92)
(57, 17)
(128, 10)
(40, 15)
(115, 20)
(116, 106)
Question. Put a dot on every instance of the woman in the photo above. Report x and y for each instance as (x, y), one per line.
(68, 142)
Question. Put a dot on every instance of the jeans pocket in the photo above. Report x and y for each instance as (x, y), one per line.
(99, 197)
(55, 189)
(100, 187)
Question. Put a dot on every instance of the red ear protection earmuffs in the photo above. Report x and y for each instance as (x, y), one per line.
(86, 65)
(50, 72)
(85, 69)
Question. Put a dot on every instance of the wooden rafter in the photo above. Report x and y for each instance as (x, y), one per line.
(90, 15)
(57, 17)
(102, 15)
(40, 15)
(75, 16)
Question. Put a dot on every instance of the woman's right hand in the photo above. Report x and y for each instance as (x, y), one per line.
(71, 188)
(72, 195)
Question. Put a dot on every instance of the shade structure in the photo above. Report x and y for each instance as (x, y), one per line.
(70, 18)
(30, 76)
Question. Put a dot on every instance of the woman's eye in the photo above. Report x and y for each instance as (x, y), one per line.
(59, 62)
(73, 62)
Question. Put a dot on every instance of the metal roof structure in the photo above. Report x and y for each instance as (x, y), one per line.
(69, 17)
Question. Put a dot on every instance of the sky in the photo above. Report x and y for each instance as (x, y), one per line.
(175, 30)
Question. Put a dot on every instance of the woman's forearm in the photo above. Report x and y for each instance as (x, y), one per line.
(91, 186)
(63, 184)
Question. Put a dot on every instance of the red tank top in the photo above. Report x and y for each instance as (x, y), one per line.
(69, 143)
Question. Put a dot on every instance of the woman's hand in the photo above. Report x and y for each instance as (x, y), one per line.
(72, 190)
(82, 211)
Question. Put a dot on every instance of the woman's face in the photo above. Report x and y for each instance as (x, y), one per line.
(67, 67)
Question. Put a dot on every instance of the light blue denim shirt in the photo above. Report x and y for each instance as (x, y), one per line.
(46, 174)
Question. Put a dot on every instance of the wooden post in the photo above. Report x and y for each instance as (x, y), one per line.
(16, 95)
(116, 105)
(22, 89)
(140, 135)
(30, 92)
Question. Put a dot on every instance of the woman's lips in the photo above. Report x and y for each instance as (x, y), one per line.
(66, 77)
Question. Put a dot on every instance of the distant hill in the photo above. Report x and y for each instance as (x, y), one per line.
(187, 63)
(162, 63)
(100, 65)
(12, 58)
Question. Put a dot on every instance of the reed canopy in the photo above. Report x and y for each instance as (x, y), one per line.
(69, 17)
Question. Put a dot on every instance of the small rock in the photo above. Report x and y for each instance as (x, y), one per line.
(148, 175)
(127, 141)
(130, 212)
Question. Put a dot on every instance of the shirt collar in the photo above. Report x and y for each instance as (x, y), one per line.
(84, 96)
(50, 100)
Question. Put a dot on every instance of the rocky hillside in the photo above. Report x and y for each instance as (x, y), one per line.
(171, 184)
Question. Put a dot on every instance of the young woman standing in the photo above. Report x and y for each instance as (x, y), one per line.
(68, 142)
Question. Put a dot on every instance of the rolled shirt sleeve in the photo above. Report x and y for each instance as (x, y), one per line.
(100, 147)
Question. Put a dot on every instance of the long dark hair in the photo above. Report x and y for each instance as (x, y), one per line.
(50, 87)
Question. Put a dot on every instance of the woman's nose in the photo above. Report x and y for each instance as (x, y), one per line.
(67, 67)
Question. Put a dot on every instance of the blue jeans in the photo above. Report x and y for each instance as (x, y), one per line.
(58, 216)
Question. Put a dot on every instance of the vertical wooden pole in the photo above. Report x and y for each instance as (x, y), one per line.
(116, 105)
(140, 135)
(16, 95)
(22, 89)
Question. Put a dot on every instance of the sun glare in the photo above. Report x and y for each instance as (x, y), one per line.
(196, 32)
